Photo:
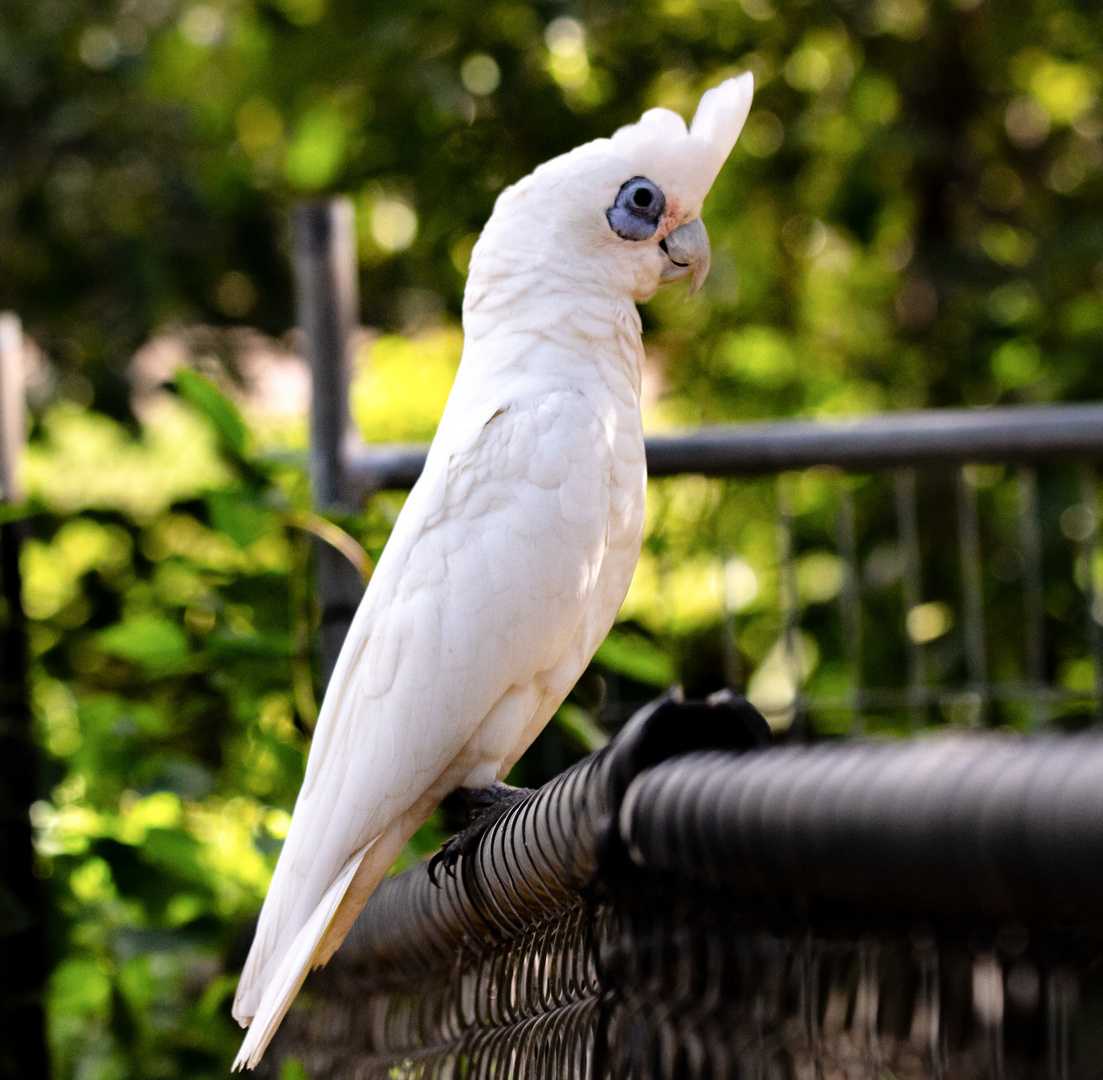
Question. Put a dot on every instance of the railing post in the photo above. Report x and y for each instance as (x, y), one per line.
(324, 241)
(12, 430)
(22, 936)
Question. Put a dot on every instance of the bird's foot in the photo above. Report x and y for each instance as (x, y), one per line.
(485, 806)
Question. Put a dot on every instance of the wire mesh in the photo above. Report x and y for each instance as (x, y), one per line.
(687, 905)
(970, 545)
(701, 996)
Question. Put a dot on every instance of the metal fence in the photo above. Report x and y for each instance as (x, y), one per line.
(923, 909)
(663, 911)
(901, 444)
(908, 448)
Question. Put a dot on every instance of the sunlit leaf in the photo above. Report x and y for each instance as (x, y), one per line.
(148, 640)
(579, 728)
(633, 655)
(80, 987)
(223, 415)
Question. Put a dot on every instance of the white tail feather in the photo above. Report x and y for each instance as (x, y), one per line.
(293, 969)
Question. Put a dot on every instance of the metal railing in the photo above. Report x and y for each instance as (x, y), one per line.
(1027, 437)
(691, 902)
(346, 473)
(1017, 434)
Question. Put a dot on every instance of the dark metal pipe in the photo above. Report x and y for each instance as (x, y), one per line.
(324, 242)
(326, 291)
(959, 827)
(930, 437)
(942, 436)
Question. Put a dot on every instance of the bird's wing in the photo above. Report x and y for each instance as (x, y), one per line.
(480, 590)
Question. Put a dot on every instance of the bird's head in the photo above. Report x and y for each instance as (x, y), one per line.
(625, 212)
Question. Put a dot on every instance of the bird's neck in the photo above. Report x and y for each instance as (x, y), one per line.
(554, 330)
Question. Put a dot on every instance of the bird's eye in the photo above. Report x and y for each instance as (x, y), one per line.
(639, 206)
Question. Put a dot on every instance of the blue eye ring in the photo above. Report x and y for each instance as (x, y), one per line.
(638, 207)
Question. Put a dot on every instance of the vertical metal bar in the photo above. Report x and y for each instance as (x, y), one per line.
(968, 526)
(811, 965)
(869, 994)
(22, 938)
(1089, 549)
(13, 432)
(1030, 542)
(1060, 990)
(929, 1036)
(907, 523)
(324, 241)
(790, 602)
(850, 604)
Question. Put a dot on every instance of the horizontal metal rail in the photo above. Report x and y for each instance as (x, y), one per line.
(1024, 434)
(536, 862)
(668, 900)
(965, 826)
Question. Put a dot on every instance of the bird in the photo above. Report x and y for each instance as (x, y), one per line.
(512, 555)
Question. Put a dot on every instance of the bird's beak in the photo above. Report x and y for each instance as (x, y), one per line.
(687, 253)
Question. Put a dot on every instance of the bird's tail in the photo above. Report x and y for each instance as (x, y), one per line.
(293, 968)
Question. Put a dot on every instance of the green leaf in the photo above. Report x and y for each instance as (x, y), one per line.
(178, 853)
(79, 987)
(220, 411)
(579, 727)
(239, 517)
(137, 983)
(147, 640)
(15, 512)
(637, 658)
(317, 150)
(224, 646)
(218, 990)
(293, 1070)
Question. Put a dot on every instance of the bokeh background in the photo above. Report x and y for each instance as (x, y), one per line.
(913, 217)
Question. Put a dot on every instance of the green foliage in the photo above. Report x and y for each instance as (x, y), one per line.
(635, 656)
(224, 418)
(918, 185)
(164, 647)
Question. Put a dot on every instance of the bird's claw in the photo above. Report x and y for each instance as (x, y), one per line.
(485, 807)
(445, 860)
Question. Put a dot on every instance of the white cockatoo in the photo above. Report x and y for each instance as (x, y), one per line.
(515, 549)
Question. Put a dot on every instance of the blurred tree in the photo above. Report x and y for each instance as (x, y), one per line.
(932, 170)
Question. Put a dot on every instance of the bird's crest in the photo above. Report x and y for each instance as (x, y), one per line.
(693, 155)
